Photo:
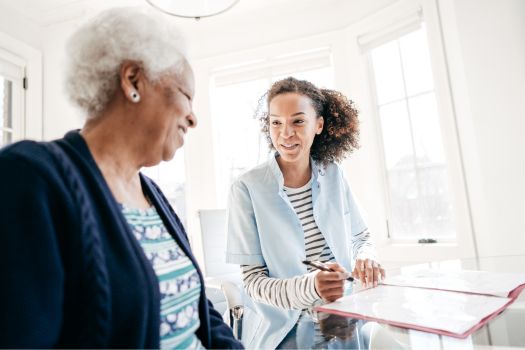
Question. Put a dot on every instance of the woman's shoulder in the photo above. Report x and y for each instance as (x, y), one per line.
(258, 176)
(30, 152)
(28, 159)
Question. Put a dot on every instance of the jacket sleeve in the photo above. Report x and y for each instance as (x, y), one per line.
(242, 243)
(361, 240)
(30, 263)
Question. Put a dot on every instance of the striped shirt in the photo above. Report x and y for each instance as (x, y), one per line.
(298, 293)
(314, 243)
(178, 279)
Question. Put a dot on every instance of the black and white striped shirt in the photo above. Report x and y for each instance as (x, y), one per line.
(299, 292)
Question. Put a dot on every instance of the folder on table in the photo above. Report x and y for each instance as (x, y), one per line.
(452, 303)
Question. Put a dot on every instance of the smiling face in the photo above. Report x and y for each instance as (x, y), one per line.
(171, 111)
(293, 126)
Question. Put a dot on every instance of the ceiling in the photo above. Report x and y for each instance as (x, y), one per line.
(248, 24)
(49, 12)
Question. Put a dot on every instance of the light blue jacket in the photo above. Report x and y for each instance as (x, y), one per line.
(263, 229)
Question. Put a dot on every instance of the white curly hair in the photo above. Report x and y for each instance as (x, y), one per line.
(96, 51)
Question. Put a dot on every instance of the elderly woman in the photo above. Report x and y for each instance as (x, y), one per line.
(298, 205)
(93, 254)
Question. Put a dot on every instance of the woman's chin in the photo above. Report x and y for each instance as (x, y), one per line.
(290, 158)
(169, 153)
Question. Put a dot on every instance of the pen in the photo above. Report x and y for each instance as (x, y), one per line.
(320, 266)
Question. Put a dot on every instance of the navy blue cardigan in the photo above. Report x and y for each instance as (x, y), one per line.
(73, 276)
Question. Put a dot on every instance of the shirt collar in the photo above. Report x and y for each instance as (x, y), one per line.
(276, 171)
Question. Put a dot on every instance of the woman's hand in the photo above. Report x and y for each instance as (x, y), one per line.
(330, 285)
(368, 271)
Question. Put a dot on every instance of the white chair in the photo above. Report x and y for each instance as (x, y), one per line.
(220, 277)
(379, 338)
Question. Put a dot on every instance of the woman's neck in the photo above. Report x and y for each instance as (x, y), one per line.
(117, 159)
(297, 173)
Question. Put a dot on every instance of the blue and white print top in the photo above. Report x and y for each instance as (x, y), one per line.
(178, 279)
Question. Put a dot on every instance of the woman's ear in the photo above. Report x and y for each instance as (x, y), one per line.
(320, 124)
(131, 80)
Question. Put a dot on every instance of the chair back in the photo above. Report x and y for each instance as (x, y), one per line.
(213, 229)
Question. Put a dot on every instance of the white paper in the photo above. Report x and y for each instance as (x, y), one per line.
(478, 282)
(440, 310)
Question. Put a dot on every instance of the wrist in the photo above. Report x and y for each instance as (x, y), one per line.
(312, 281)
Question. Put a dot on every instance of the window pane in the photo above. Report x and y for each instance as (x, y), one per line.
(6, 111)
(5, 137)
(416, 62)
(435, 201)
(396, 134)
(419, 198)
(6, 102)
(171, 178)
(427, 134)
(387, 72)
(404, 204)
(239, 143)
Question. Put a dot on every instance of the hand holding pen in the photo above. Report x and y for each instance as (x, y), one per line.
(324, 267)
(366, 271)
(329, 282)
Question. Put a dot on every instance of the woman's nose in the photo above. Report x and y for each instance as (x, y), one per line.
(288, 131)
(192, 120)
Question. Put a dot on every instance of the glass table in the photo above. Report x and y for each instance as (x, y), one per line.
(507, 330)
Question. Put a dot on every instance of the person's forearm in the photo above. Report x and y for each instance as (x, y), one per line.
(295, 293)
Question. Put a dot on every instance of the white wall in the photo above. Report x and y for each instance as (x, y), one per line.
(60, 115)
(16, 26)
(485, 45)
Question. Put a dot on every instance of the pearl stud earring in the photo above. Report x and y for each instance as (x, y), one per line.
(135, 97)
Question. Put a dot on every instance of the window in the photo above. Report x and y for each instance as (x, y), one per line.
(170, 176)
(418, 195)
(11, 102)
(6, 92)
(239, 143)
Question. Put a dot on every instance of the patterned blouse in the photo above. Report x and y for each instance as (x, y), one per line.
(178, 279)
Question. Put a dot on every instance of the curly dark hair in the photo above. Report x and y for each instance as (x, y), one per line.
(340, 135)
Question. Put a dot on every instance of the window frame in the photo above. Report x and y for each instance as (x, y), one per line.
(30, 58)
(401, 19)
(380, 139)
(15, 73)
